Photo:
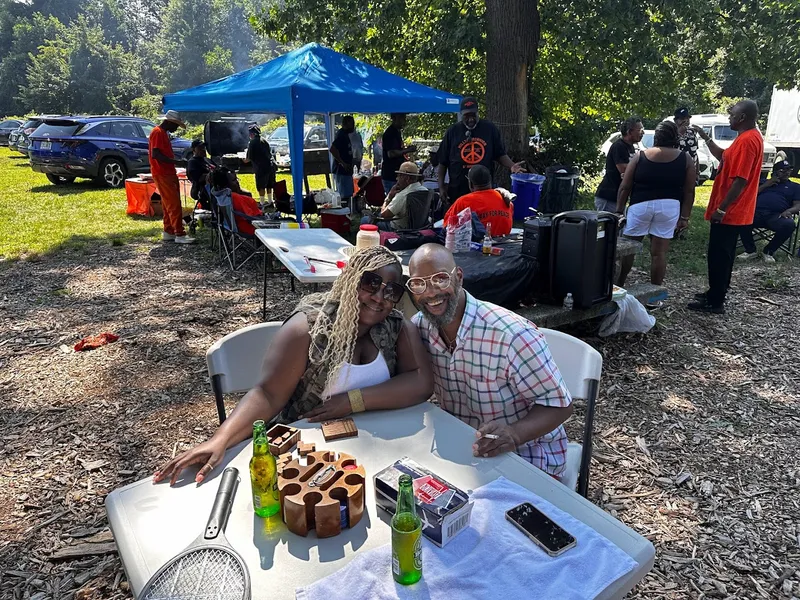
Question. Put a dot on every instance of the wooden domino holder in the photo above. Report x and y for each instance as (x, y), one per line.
(306, 507)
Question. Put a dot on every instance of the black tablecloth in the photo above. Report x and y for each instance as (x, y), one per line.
(502, 280)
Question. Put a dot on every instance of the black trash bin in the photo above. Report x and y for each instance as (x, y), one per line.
(559, 190)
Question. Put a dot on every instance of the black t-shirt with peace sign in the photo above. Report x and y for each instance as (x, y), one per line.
(462, 149)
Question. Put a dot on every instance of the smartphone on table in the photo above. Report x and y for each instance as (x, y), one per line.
(541, 529)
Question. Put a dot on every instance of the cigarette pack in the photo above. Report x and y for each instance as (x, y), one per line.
(444, 509)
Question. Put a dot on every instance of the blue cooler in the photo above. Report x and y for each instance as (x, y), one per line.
(528, 188)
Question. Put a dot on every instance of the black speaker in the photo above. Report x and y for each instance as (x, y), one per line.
(583, 249)
(536, 241)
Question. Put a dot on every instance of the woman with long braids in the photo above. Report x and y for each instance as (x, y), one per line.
(344, 351)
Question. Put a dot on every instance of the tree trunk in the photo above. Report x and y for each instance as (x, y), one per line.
(512, 47)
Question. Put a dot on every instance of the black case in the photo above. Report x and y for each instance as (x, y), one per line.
(584, 248)
(536, 240)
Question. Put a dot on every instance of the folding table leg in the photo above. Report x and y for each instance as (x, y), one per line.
(264, 299)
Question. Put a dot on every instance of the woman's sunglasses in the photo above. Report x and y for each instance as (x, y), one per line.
(439, 281)
(372, 283)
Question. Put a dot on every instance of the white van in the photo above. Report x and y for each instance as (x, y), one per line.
(718, 127)
(783, 124)
(704, 157)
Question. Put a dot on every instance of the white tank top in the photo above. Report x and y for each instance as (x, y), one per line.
(353, 377)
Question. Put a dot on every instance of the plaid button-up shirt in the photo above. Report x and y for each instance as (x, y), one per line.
(501, 367)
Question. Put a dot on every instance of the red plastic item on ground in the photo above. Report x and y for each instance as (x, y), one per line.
(338, 223)
(95, 341)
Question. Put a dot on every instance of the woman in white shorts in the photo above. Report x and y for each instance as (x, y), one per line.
(659, 183)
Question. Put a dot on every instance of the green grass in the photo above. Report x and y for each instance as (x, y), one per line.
(38, 218)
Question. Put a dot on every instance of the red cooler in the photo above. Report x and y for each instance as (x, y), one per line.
(336, 219)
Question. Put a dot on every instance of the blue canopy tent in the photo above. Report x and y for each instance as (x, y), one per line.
(311, 79)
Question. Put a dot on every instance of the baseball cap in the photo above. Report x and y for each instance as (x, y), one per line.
(408, 168)
(781, 164)
(196, 143)
(682, 113)
(469, 105)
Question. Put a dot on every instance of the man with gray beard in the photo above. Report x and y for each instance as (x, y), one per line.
(492, 369)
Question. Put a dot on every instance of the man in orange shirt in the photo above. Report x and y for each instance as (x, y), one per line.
(733, 201)
(162, 166)
(490, 205)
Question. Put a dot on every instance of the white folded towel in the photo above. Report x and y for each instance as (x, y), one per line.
(490, 559)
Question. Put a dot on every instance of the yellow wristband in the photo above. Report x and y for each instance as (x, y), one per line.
(356, 401)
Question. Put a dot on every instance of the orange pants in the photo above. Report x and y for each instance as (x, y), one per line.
(170, 191)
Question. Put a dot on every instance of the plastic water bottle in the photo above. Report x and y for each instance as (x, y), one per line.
(568, 302)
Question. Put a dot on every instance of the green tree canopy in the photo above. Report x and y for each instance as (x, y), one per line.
(598, 62)
(80, 72)
(26, 37)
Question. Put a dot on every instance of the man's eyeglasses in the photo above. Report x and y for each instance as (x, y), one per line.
(372, 283)
(439, 281)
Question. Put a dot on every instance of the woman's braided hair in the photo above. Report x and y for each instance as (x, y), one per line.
(333, 341)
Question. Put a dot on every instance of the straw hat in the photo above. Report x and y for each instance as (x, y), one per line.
(172, 116)
(408, 168)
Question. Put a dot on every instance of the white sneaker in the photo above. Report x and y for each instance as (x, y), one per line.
(747, 256)
(184, 239)
(167, 237)
(768, 258)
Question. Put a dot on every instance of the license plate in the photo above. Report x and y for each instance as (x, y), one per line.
(46, 145)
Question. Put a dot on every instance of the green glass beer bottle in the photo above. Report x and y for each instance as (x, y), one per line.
(263, 474)
(406, 536)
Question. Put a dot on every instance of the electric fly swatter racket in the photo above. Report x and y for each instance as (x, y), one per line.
(209, 567)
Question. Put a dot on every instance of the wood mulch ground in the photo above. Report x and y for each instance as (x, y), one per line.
(696, 443)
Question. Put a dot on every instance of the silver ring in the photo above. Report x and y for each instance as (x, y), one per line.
(210, 467)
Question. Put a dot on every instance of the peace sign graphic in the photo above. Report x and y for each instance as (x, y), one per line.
(473, 151)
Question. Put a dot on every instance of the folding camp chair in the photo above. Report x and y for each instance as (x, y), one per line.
(370, 193)
(765, 235)
(232, 240)
(418, 207)
(581, 367)
(284, 203)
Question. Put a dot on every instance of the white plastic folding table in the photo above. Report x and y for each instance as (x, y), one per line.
(291, 246)
(153, 522)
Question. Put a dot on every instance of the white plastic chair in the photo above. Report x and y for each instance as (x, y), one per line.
(581, 367)
(235, 361)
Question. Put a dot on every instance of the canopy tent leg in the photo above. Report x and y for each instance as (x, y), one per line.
(294, 121)
(329, 133)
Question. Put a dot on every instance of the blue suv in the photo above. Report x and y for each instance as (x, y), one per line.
(108, 149)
